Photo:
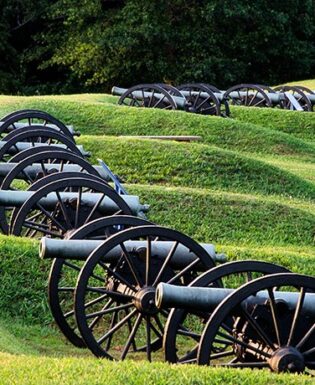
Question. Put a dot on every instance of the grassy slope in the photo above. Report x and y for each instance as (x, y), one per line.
(247, 187)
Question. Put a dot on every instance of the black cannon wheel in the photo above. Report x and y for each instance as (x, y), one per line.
(202, 100)
(18, 112)
(145, 95)
(183, 328)
(33, 117)
(12, 180)
(171, 89)
(34, 219)
(36, 136)
(267, 332)
(300, 96)
(247, 95)
(64, 274)
(114, 302)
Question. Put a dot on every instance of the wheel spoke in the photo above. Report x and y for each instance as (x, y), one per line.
(131, 265)
(107, 311)
(165, 263)
(296, 315)
(95, 207)
(306, 337)
(131, 338)
(148, 333)
(116, 327)
(257, 328)
(148, 261)
(184, 271)
(274, 313)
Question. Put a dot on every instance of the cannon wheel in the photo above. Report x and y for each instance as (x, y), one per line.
(121, 310)
(247, 95)
(166, 102)
(171, 89)
(202, 100)
(35, 135)
(64, 273)
(183, 328)
(34, 220)
(58, 157)
(300, 96)
(33, 117)
(268, 334)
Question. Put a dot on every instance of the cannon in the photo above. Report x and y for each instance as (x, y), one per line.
(114, 294)
(59, 203)
(266, 322)
(64, 272)
(28, 117)
(195, 98)
(35, 136)
(206, 99)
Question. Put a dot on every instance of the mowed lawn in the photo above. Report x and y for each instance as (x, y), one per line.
(248, 186)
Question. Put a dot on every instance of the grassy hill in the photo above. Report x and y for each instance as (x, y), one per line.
(248, 186)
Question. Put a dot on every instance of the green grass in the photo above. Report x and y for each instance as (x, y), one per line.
(197, 165)
(110, 119)
(310, 83)
(301, 125)
(248, 187)
(39, 371)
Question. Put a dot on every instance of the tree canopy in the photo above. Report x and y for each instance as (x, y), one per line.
(90, 45)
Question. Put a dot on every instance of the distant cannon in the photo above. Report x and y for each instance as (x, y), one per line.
(206, 99)
(200, 100)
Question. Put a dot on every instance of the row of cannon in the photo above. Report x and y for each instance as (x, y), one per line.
(123, 286)
(206, 99)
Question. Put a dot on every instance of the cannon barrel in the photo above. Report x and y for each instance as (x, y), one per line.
(18, 125)
(180, 102)
(21, 146)
(276, 97)
(81, 249)
(208, 298)
(36, 168)
(107, 206)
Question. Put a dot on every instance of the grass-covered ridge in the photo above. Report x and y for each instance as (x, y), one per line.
(193, 165)
(110, 119)
(248, 187)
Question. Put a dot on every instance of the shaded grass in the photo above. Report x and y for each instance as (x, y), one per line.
(193, 165)
(109, 119)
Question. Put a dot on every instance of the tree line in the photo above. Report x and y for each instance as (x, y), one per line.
(63, 46)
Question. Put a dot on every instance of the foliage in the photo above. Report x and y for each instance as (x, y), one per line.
(59, 46)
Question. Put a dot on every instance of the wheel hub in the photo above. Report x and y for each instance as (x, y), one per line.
(144, 301)
(287, 359)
